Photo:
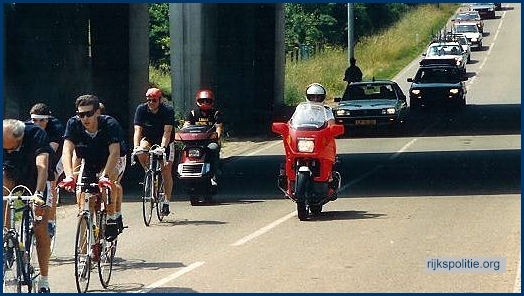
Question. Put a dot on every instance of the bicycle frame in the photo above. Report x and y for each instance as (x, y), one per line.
(17, 247)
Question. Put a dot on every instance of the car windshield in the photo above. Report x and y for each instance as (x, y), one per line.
(437, 75)
(370, 92)
(309, 116)
(466, 29)
(440, 50)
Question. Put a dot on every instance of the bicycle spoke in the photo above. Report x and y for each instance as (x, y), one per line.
(12, 271)
(147, 198)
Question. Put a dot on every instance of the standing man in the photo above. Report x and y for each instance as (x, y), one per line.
(26, 162)
(42, 117)
(206, 114)
(352, 74)
(154, 123)
(98, 142)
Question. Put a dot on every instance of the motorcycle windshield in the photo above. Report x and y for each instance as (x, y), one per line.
(309, 116)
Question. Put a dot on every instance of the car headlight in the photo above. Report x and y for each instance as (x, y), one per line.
(454, 91)
(389, 111)
(194, 153)
(306, 145)
(473, 39)
(415, 91)
(342, 112)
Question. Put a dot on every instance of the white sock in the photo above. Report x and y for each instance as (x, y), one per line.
(43, 282)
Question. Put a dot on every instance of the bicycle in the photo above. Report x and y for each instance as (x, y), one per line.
(91, 245)
(153, 184)
(20, 265)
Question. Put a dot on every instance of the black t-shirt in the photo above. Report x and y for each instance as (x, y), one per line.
(55, 132)
(153, 123)
(198, 117)
(95, 148)
(21, 163)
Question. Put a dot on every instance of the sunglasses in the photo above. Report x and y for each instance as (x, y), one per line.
(152, 100)
(206, 101)
(85, 113)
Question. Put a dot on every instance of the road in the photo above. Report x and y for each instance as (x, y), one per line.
(446, 185)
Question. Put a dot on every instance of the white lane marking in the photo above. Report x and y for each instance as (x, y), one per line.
(404, 148)
(517, 286)
(171, 277)
(263, 230)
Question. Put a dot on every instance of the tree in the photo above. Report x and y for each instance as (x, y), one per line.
(159, 39)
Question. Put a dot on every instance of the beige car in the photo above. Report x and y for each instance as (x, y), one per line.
(468, 17)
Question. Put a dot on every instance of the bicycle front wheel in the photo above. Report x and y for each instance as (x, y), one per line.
(159, 198)
(83, 254)
(107, 253)
(12, 268)
(148, 198)
(30, 266)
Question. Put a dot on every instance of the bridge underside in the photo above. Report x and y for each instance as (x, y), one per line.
(56, 52)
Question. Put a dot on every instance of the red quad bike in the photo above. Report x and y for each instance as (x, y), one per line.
(194, 162)
(308, 178)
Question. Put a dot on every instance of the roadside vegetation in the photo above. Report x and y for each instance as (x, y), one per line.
(381, 55)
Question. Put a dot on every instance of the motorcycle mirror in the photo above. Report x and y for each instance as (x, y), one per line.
(279, 127)
(337, 129)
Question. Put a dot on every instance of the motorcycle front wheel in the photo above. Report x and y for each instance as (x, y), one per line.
(302, 185)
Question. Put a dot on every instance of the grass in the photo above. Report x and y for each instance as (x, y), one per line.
(381, 56)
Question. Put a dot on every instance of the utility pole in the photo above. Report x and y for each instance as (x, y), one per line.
(351, 27)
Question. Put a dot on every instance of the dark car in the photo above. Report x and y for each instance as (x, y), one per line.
(437, 85)
(486, 10)
(371, 103)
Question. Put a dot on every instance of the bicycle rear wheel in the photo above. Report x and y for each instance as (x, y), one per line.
(12, 268)
(148, 199)
(107, 253)
(159, 198)
(82, 254)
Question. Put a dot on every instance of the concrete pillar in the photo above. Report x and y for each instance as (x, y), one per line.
(138, 57)
(185, 26)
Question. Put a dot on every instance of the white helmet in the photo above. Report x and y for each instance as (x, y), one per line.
(316, 93)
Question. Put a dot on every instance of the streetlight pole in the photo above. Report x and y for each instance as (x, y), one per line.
(350, 32)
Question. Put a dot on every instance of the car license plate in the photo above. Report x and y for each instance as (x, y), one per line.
(365, 122)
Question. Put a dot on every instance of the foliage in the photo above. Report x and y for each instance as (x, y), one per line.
(159, 33)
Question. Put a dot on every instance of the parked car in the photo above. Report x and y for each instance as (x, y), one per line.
(485, 10)
(372, 103)
(469, 17)
(446, 52)
(437, 85)
(463, 41)
(471, 31)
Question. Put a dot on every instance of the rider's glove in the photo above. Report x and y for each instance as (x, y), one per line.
(40, 200)
(68, 183)
(160, 150)
(104, 182)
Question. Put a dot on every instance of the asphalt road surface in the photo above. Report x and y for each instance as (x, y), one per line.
(446, 184)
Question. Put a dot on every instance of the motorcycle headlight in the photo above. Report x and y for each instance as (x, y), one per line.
(415, 91)
(305, 145)
(194, 153)
(342, 112)
(454, 91)
(389, 111)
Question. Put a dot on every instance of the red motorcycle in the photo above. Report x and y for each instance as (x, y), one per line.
(308, 177)
(194, 162)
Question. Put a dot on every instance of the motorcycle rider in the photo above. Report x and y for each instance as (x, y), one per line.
(153, 124)
(316, 94)
(206, 114)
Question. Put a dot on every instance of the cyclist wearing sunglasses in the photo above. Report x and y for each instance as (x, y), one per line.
(42, 117)
(98, 142)
(154, 123)
(25, 162)
(206, 114)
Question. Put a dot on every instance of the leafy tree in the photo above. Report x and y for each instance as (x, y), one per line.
(159, 34)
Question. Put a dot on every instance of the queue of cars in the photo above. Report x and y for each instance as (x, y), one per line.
(439, 80)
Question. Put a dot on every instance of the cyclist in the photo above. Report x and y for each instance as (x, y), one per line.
(98, 142)
(26, 161)
(206, 114)
(154, 122)
(41, 116)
